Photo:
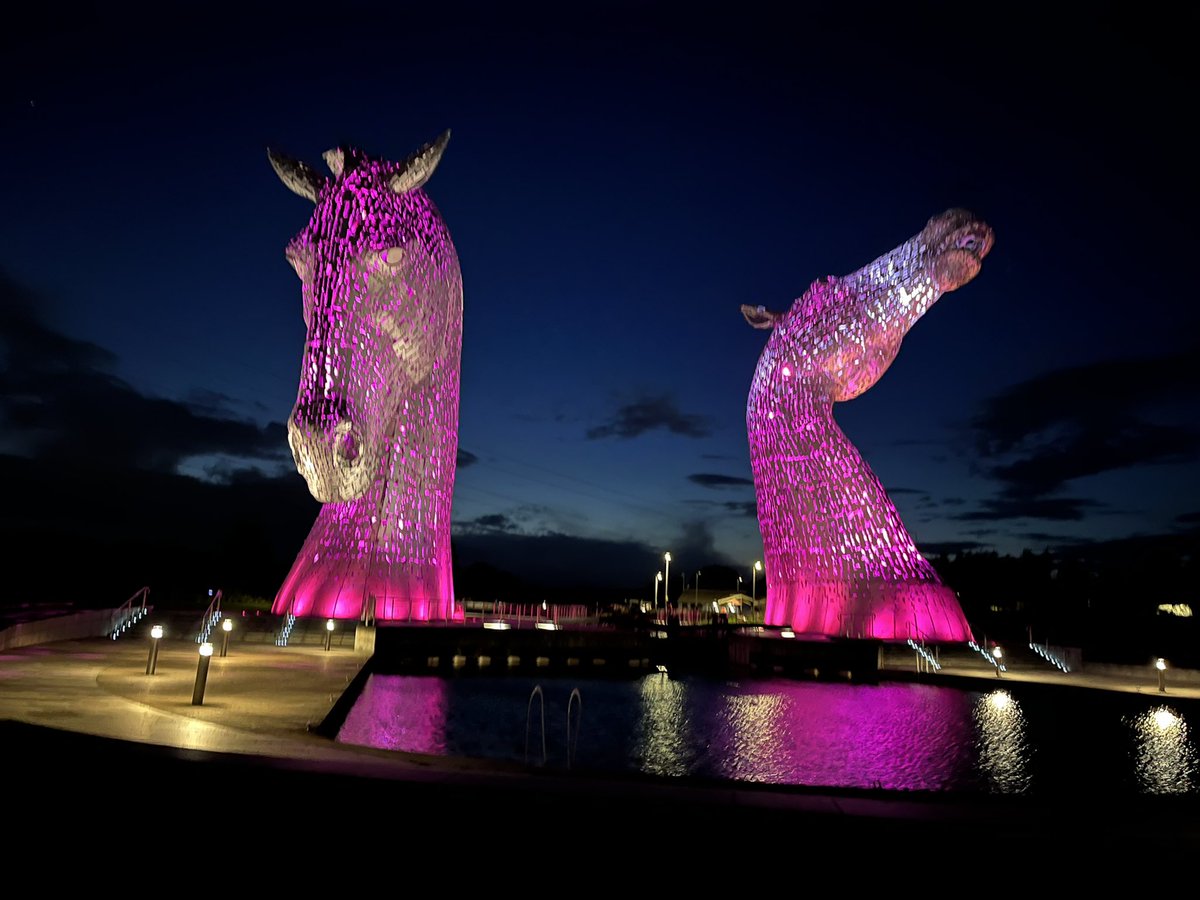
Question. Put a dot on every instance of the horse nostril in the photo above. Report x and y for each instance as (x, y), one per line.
(346, 446)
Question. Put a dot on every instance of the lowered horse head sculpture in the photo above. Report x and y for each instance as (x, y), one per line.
(374, 431)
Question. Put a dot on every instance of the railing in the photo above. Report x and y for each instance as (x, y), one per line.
(1051, 655)
(130, 613)
(988, 656)
(528, 615)
(537, 692)
(574, 720)
(212, 616)
(289, 622)
(923, 653)
(573, 742)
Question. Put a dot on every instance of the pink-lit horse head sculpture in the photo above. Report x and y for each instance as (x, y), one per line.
(839, 560)
(374, 431)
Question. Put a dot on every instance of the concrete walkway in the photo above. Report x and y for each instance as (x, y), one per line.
(75, 715)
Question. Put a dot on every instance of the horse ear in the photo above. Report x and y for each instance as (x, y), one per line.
(760, 317)
(299, 177)
(415, 170)
(336, 160)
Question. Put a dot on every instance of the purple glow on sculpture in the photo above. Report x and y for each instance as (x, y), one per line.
(374, 430)
(839, 560)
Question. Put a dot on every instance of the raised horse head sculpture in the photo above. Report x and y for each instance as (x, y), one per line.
(839, 560)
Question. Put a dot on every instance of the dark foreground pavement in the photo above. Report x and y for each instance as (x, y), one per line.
(100, 758)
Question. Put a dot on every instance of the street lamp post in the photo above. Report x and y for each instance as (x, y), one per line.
(156, 633)
(697, 587)
(999, 655)
(328, 633)
(1161, 665)
(201, 674)
(226, 627)
(657, 581)
(754, 579)
(667, 579)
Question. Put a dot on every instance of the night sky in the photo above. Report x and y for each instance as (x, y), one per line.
(618, 182)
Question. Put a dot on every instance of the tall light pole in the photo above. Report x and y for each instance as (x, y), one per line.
(754, 579)
(667, 579)
(697, 587)
(657, 581)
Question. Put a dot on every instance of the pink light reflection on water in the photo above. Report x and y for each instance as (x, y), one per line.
(399, 713)
(904, 737)
(895, 736)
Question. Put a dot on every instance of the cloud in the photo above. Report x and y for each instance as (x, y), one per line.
(559, 559)
(718, 456)
(1188, 518)
(650, 413)
(466, 458)
(719, 481)
(904, 490)
(487, 524)
(947, 548)
(1059, 509)
(59, 400)
(1059, 540)
(747, 508)
(1038, 436)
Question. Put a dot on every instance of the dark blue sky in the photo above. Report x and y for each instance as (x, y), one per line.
(619, 181)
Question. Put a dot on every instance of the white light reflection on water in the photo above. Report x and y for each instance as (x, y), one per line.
(1164, 756)
(663, 743)
(1003, 748)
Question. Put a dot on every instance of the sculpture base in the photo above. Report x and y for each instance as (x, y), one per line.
(882, 610)
(409, 593)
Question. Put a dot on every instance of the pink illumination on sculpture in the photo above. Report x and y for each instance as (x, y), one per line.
(839, 560)
(374, 430)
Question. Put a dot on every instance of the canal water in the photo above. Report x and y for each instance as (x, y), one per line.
(897, 736)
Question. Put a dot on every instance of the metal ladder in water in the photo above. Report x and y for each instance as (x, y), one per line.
(576, 700)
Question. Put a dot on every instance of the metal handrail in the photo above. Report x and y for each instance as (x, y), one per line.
(211, 615)
(572, 744)
(536, 692)
(124, 615)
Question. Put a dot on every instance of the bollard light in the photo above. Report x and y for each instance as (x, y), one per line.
(156, 633)
(226, 627)
(328, 633)
(787, 632)
(1161, 665)
(999, 655)
(206, 651)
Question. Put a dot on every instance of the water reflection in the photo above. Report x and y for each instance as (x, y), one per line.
(1163, 754)
(906, 737)
(893, 736)
(663, 743)
(399, 714)
(1003, 748)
